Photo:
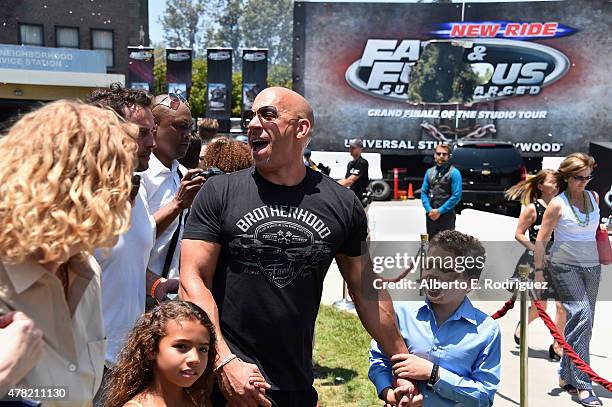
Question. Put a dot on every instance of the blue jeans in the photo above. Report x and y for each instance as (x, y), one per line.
(577, 289)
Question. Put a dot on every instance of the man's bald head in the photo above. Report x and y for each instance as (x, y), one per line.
(159, 98)
(162, 107)
(173, 131)
(288, 100)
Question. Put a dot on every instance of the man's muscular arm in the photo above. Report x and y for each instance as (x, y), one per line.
(376, 314)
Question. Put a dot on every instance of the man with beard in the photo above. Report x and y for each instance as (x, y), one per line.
(256, 249)
(125, 279)
(440, 192)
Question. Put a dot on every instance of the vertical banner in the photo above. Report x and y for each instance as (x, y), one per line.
(140, 68)
(219, 86)
(178, 70)
(254, 75)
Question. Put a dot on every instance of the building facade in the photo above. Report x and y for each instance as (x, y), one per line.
(69, 30)
(106, 25)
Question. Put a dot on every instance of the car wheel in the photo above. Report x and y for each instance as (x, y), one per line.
(381, 191)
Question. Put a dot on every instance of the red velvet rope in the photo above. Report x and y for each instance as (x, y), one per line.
(507, 307)
(580, 364)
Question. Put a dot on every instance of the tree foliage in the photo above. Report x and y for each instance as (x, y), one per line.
(236, 94)
(159, 69)
(200, 24)
(181, 21)
(441, 76)
(197, 98)
(269, 24)
(280, 75)
(238, 24)
(226, 16)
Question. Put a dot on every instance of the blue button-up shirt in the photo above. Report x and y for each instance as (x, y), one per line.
(467, 348)
(456, 191)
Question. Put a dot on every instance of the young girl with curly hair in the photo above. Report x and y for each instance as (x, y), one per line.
(167, 359)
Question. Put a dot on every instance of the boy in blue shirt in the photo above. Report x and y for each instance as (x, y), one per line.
(455, 349)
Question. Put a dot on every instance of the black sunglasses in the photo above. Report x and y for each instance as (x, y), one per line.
(175, 101)
(442, 154)
(582, 179)
(267, 113)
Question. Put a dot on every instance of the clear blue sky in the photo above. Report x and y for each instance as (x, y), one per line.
(156, 8)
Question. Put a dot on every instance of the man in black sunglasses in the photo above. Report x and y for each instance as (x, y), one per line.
(256, 249)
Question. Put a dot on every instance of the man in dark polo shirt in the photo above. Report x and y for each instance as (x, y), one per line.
(356, 177)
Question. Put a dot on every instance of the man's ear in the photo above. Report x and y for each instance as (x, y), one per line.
(303, 129)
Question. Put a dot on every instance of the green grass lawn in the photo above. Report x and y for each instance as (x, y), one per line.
(341, 361)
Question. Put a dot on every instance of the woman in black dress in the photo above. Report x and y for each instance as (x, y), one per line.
(536, 192)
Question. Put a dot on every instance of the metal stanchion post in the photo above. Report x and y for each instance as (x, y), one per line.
(344, 304)
(423, 255)
(524, 349)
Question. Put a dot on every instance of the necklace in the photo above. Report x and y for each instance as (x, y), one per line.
(581, 223)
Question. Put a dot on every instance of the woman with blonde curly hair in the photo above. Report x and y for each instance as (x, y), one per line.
(573, 216)
(65, 183)
(227, 155)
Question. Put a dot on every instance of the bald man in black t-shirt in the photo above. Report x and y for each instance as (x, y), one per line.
(256, 248)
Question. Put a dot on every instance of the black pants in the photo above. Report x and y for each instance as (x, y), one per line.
(444, 222)
(279, 398)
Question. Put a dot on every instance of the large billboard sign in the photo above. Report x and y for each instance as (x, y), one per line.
(406, 76)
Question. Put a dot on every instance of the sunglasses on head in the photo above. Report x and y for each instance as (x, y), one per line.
(266, 113)
(582, 179)
(175, 101)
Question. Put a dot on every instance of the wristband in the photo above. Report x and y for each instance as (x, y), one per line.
(225, 361)
(434, 376)
(154, 287)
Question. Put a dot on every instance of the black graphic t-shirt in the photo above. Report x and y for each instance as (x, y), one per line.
(358, 167)
(277, 244)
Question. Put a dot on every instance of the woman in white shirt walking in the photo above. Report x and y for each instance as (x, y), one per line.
(573, 215)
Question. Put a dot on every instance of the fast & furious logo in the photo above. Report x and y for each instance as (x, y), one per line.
(467, 69)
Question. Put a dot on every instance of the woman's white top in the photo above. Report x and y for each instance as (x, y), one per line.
(575, 244)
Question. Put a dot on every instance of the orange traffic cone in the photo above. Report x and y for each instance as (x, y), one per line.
(410, 192)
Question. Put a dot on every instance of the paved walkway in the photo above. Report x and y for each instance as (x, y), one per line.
(404, 221)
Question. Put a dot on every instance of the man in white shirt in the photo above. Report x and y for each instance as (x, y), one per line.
(124, 268)
(167, 186)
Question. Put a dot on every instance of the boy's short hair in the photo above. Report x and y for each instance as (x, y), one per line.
(207, 128)
(462, 245)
